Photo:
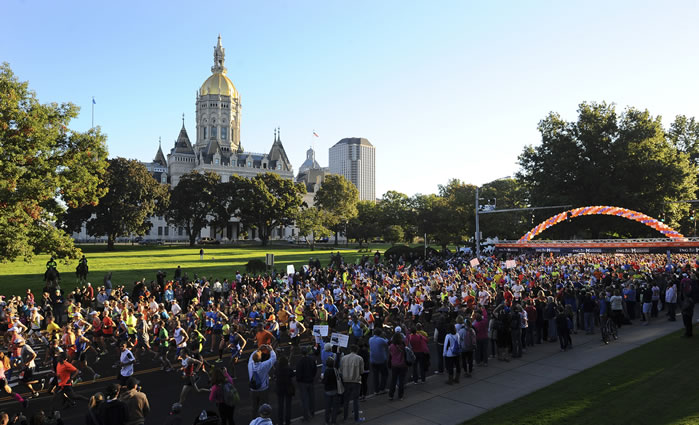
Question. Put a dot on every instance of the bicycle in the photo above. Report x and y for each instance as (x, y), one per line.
(609, 331)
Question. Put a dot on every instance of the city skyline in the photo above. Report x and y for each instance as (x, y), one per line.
(451, 92)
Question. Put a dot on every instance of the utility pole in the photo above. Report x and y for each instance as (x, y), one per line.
(478, 229)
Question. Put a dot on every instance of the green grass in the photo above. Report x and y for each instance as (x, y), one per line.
(130, 263)
(652, 384)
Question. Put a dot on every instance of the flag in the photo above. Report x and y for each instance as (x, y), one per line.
(315, 134)
(93, 101)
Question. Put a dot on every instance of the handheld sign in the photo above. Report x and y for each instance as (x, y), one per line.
(320, 330)
(510, 264)
(290, 269)
(339, 339)
(474, 262)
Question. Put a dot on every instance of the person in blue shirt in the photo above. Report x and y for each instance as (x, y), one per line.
(378, 357)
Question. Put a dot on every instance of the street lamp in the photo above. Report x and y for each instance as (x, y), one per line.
(478, 228)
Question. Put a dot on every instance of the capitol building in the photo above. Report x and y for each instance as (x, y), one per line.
(217, 148)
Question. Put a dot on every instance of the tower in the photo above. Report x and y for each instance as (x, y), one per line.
(218, 108)
(355, 159)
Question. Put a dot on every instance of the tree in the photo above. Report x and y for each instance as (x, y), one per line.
(339, 197)
(43, 166)
(365, 226)
(313, 222)
(505, 194)
(605, 158)
(133, 197)
(269, 201)
(393, 234)
(458, 213)
(396, 209)
(192, 201)
(435, 219)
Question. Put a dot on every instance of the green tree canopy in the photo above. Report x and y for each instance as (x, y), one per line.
(339, 197)
(605, 158)
(43, 166)
(133, 197)
(366, 225)
(192, 202)
(313, 222)
(268, 201)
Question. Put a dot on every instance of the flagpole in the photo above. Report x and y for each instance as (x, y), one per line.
(93, 111)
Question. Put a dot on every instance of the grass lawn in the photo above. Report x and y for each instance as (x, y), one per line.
(653, 384)
(129, 263)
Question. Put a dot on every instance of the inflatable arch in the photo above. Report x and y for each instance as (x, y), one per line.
(602, 210)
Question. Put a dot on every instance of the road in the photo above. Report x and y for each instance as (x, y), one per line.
(162, 388)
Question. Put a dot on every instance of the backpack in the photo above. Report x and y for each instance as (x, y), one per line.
(409, 356)
(230, 395)
(255, 381)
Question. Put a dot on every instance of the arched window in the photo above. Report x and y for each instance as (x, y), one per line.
(224, 132)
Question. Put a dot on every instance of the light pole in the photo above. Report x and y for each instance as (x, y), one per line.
(478, 227)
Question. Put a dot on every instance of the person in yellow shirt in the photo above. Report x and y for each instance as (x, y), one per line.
(298, 311)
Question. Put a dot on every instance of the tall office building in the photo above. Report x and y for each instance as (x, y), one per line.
(355, 158)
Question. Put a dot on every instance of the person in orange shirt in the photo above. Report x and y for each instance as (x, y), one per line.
(65, 373)
(264, 338)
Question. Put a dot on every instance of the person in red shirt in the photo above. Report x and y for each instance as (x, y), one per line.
(65, 373)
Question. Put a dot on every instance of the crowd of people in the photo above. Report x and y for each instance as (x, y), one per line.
(404, 318)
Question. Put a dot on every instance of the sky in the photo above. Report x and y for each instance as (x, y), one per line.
(443, 90)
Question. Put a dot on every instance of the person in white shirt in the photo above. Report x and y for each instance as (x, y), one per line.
(258, 373)
(517, 290)
(175, 309)
(126, 362)
(671, 301)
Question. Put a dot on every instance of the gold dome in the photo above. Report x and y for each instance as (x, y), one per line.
(219, 83)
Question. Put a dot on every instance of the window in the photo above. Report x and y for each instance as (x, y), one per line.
(249, 163)
(167, 231)
(180, 230)
(224, 132)
(216, 161)
(160, 230)
(205, 132)
(213, 132)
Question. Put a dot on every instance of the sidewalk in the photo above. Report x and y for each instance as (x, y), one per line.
(435, 402)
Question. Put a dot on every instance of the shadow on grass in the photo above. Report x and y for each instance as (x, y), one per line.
(652, 384)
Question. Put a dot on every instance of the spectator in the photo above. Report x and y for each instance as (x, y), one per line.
(399, 368)
(136, 402)
(418, 343)
(451, 353)
(378, 355)
(113, 411)
(687, 313)
(332, 398)
(258, 372)
(305, 376)
(671, 301)
(265, 411)
(351, 369)
(92, 418)
(219, 378)
(285, 390)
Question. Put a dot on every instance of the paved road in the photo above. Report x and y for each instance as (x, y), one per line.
(162, 388)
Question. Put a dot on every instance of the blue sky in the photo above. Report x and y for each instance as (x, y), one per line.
(442, 89)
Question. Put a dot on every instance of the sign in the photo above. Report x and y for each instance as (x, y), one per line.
(510, 264)
(269, 260)
(341, 340)
(474, 262)
(290, 269)
(320, 330)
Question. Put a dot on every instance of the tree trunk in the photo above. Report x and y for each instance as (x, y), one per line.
(110, 242)
(336, 233)
(192, 239)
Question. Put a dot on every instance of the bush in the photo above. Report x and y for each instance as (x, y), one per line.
(255, 266)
